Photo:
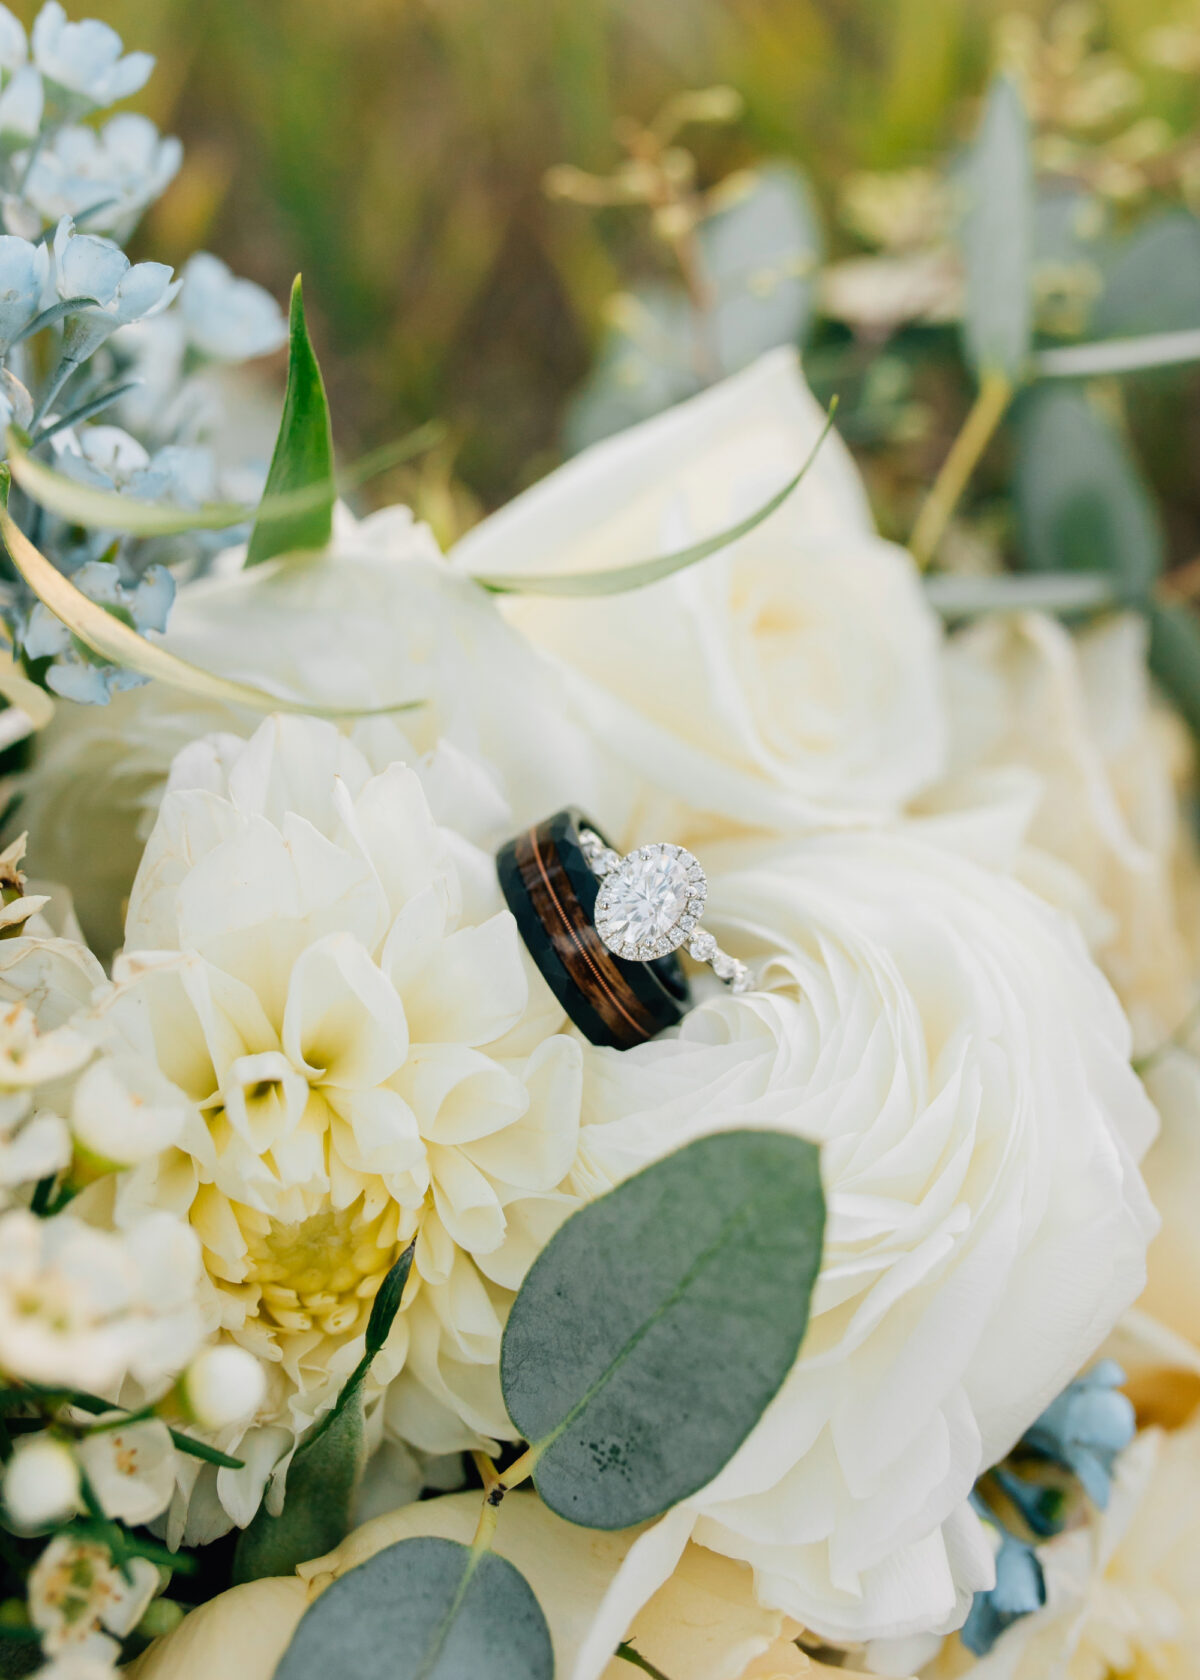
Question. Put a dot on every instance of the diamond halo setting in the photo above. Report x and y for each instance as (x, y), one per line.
(650, 903)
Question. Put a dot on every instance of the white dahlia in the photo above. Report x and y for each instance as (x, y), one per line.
(328, 975)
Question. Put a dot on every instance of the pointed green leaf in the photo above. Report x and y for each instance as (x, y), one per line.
(303, 458)
(326, 1467)
(659, 1322)
(1082, 503)
(424, 1609)
(621, 579)
(997, 237)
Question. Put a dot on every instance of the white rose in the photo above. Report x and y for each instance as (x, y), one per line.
(379, 619)
(789, 680)
(1104, 766)
(964, 1067)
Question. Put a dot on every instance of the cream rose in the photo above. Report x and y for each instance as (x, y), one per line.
(790, 680)
(378, 619)
(1100, 767)
(965, 1068)
(701, 1624)
(365, 1055)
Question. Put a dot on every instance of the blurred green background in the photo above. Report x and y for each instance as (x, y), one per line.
(394, 150)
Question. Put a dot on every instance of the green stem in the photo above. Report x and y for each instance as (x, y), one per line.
(987, 411)
(629, 1655)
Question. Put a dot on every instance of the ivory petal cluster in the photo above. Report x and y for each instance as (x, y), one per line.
(944, 1037)
(328, 976)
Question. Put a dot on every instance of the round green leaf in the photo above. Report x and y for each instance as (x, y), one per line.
(424, 1609)
(658, 1323)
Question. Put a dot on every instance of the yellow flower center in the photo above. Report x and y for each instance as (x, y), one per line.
(324, 1271)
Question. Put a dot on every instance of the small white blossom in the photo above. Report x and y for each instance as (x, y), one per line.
(229, 319)
(131, 1469)
(78, 1665)
(83, 60)
(84, 1307)
(14, 48)
(120, 292)
(111, 175)
(21, 105)
(34, 1140)
(24, 269)
(224, 1384)
(41, 1484)
(122, 1111)
(77, 1598)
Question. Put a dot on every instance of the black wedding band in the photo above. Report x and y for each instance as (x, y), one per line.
(551, 890)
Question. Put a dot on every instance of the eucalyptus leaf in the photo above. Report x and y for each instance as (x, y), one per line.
(327, 1466)
(648, 361)
(760, 258)
(1119, 355)
(120, 644)
(620, 579)
(1152, 281)
(659, 1322)
(997, 235)
(424, 1609)
(1175, 657)
(1081, 501)
(964, 595)
(303, 458)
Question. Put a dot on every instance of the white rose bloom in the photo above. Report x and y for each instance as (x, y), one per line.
(1105, 765)
(791, 679)
(1123, 1593)
(964, 1067)
(86, 1308)
(379, 619)
(332, 980)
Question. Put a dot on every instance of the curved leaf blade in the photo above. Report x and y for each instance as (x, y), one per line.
(658, 1323)
(620, 579)
(424, 1609)
(997, 237)
(122, 645)
(1119, 355)
(303, 458)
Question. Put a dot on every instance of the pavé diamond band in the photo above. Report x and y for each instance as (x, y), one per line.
(650, 903)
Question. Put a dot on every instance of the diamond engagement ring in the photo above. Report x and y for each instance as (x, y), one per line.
(650, 903)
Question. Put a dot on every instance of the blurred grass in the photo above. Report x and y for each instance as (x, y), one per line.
(393, 151)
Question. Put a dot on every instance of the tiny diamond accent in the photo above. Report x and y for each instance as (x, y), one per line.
(703, 947)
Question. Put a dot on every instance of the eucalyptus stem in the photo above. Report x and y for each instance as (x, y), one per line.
(987, 411)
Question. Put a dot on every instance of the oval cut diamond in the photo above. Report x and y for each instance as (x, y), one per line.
(643, 904)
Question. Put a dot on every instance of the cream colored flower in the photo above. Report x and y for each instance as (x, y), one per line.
(1104, 766)
(331, 980)
(379, 619)
(78, 1598)
(701, 1624)
(791, 679)
(85, 1308)
(131, 1469)
(1124, 1592)
(1172, 1168)
(944, 1037)
(35, 1142)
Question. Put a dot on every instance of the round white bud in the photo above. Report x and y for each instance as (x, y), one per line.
(223, 1385)
(41, 1483)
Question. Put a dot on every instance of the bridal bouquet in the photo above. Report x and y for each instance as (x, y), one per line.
(598, 1102)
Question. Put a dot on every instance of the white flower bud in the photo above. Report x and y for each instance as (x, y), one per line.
(41, 1483)
(222, 1385)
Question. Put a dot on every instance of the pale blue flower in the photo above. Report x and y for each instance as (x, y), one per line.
(24, 270)
(228, 319)
(1085, 1429)
(74, 672)
(21, 106)
(83, 60)
(1020, 1590)
(120, 292)
(111, 175)
(14, 48)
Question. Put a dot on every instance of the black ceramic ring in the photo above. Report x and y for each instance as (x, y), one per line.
(551, 889)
